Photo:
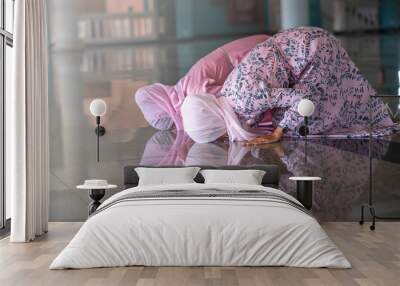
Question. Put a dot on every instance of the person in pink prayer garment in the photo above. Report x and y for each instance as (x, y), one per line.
(160, 104)
(304, 62)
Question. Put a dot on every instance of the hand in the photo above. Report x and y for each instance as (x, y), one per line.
(267, 139)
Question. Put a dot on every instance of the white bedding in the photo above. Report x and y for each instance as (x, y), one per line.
(200, 231)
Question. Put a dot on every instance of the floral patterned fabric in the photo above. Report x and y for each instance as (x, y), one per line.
(298, 63)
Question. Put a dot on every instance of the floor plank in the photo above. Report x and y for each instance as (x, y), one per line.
(375, 256)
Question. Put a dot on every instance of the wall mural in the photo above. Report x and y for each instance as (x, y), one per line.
(143, 58)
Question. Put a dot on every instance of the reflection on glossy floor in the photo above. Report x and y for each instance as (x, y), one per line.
(115, 72)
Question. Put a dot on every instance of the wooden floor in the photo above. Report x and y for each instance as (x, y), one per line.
(375, 257)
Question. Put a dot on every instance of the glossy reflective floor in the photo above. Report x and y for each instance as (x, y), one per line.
(114, 72)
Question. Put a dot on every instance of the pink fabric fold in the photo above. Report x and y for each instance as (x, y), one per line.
(161, 103)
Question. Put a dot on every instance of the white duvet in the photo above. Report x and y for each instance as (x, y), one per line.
(200, 231)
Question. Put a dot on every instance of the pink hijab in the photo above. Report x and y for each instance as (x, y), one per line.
(161, 104)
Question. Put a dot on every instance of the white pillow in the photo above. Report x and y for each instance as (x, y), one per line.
(166, 176)
(248, 177)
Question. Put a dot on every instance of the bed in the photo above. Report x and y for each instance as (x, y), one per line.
(197, 224)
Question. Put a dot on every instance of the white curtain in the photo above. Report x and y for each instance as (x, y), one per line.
(27, 147)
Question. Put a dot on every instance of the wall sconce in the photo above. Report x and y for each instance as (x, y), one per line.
(306, 109)
(98, 108)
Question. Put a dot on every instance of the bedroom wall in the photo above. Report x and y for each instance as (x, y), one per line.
(89, 59)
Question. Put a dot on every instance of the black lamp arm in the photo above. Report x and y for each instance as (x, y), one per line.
(303, 130)
(99, 130)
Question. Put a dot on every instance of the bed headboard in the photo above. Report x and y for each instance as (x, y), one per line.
(270, 179)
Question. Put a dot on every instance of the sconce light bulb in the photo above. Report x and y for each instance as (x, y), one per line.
(306, 107)
(98, 107)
